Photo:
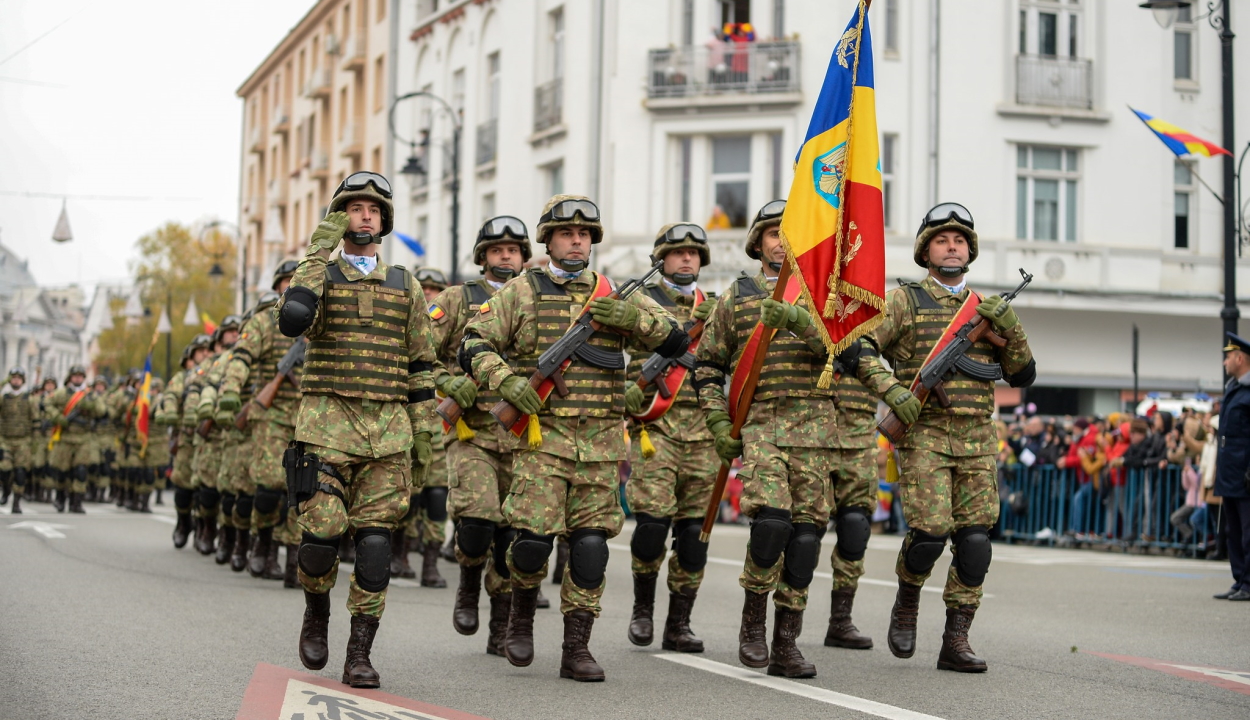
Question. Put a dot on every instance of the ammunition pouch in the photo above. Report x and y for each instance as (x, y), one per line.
(302, 471)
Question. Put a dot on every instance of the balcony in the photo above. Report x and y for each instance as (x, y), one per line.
(319, 168)
(318, 85)
(254, 208)
(256, 140)
(1054, 82)
(354, 53)
(750, 73)
(350, 143)
(487, 142)
(548, 105)
(276, 193)
(280, 121)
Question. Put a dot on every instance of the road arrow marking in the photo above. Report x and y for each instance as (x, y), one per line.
(48, 530)
(1236, 680)
(276, 693)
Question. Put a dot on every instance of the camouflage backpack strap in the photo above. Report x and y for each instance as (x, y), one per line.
(474, 294)
(920, 298)
(657, 294)
(397, 278)
(335, 274)
(746, 287)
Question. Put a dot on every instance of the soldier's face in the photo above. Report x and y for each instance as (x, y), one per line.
(771, 249)
(430, 293)
(681, 260)
(571, 242)
(198, 356)
(505, 256)
(282, 285)
(364, 216)
(77, 379)
(17, 381)
(949, 248)
(230, 337)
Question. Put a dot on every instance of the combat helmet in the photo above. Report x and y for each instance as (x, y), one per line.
(431, 278)
(498, 231)
(285, 269)
(682, 235)
(16, 370)
(768, 216)
(199, 342)
(568, 210)
(75, 370)
(365, 186)
(229, 322)
(945, 216)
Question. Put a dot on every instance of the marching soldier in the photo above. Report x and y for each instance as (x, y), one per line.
(169, 414)
(100, 476)
(479, 450)
(254, 363)
(17, 422)
(113, 432)
(71, 410)
(42, 482)
(368, 400)
(565, 480)
(948, 484)
(675, 466)
(217, 500)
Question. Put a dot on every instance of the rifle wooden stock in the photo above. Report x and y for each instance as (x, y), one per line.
(205, 428)
(450, 411)
(743, 409)
(507, 414)
(264, 398)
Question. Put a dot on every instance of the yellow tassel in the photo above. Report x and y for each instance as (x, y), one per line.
(535, 433)
(826, 375)
(464, 433)
(644, 444)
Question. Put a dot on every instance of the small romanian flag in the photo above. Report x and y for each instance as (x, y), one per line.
(435, 312)
(1181, 142)
(210, 327)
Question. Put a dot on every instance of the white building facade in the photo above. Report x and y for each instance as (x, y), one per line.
(40, 328)
(1016, 108)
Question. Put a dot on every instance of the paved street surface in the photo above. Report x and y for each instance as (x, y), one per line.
(103, 618)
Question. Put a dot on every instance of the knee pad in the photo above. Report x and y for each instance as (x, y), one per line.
(923, 550)
(770, 533)
(208, 497)
(691, 551)
(474, 536)
(373, 559)
(267, 501)
(972, 554)
(227, 504)
(647, 544)
(503, 538)
(243, 507)
(854, 527)
(80, 472)
(530, 550)
(318, 555)
(183, 498)
(434, 499)
(588, 557)
(19, 477)
(803, 554)
(93, 470)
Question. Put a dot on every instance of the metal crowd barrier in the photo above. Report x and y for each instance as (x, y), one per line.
(1048, 505)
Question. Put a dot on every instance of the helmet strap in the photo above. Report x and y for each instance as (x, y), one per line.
(501, 274)
(681, 278)
(950, 272)
(360, 238)
(775, 266)
(570, 266)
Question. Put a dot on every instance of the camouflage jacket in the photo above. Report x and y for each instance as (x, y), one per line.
(89, 408)
(193, 386)
(16, 412)
(684, 419)
(171, 399)
(262, 346)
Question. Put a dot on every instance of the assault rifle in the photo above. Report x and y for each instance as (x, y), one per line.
(657, 365)
(554, 360)
(952, 357)
(264, 397)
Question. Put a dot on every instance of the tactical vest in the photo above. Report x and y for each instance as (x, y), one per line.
(929, 320)
(595, 390)
(267, 366)
(476, 292)
(363, 352)
(15, 415)
(682, 313)
(791, 369)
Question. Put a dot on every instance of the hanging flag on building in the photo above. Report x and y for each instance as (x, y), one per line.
(412, 244)
(834, 222)
(1181, 142)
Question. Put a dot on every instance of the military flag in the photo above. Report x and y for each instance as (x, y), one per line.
(1180, 142)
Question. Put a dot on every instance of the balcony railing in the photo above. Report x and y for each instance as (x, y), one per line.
(276, 193)
(320, 166)
(354, 53)
(350, 141)
(548, 104)
(487, 141)
(318, 84)
(280, 120)
(1054, 82)
(760, 67)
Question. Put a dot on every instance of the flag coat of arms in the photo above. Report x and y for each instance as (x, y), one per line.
(834, 223)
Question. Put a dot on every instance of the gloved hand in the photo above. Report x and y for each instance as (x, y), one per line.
(187, 420)
(727, 448)
(516, 390)
(164, 418)
(59, 421)
(229, 402)
(329, 232)
(905, 405)
(461, 389)
(204, 411)
(704, 310)
(784, 316)
(614, 313)
(633, 399)
(223, 417)
(998, 311)
(422, 450)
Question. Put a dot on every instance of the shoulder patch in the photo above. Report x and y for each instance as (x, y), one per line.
(485, 308)
(435, 311)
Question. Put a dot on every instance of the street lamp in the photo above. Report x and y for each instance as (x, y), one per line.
(169, 304)
(216, 272)
(414, 168)
(1165, 13)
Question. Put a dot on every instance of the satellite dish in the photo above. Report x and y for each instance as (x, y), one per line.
(62, 232)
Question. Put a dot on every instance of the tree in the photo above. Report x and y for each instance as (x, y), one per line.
(172, 260)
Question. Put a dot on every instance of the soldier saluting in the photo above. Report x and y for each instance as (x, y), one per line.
(368, 400)
(948, 480)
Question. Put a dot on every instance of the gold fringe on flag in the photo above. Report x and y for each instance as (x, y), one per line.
(826, 375)
(535, 433)
(644, 444)
(464, 433)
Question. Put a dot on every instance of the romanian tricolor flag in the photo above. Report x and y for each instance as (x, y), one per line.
(142, 405)
(1181, 142)
(435, 312)
(210, 327)
(834, 222)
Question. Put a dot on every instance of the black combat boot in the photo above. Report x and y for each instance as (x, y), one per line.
(677, 633)
(290, 577)
(260, 552)
(225, 545)
(753, 635)
(357, 670)
(182, 530)
(210, 534)
(6, 489)
(641, 622)
(75, 503)
(448, 551)
(956, 653)
(499, 606)
(399, 555)
(143, 501)
(842, 632)
(518, 641)
(16, 509)
(58, 501)
(786, 659)
(238, 556)
(273, 570)
(464, 615)
(430, 576)
(313, 650)
(901, 637)
(576, 662)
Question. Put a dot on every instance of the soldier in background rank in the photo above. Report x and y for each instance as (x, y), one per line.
(16, 427)
(72, 411)
(169, 414)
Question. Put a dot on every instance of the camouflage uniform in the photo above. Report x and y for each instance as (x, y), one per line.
(17, 417)
(73, 452)
(41, 432)
(114, 434)
(207, 500)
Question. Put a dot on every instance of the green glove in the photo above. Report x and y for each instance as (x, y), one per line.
(229, 401)
(188, 420)
(633, 399)
(614, 313)
(784, 316)
(204, 411)
(223, 417)
(59, 421)
(329, 232)
(461, 389)
(727, 448)
(905, 405)
(998, 311)
(164, 418)
(516, 390)
(422, 450)
(704, 310)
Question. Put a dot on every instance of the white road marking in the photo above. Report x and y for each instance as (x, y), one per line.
(1229, 675)
(829, 697)
(163, 519)
(48, 530)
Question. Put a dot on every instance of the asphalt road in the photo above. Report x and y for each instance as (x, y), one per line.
(103, 618)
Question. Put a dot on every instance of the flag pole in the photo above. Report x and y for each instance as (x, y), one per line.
(1205, 185)
(744, 407)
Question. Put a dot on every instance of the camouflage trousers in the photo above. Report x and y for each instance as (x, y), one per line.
(675, 483)
(792, 478)
(182, 476)
(16, 461)
(207, 463)
(478, 483)
(854, 484)
(264, 467)
(941, 494)
(376, 494)
(418, 523)
(233, 476)
(552, 495)
(71, 452)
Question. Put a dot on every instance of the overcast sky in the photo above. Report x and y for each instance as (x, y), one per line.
(122, 99)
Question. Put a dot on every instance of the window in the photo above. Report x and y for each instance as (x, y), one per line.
(889, 145)
(735, 11)
(342, 112)
(457, 92)
(488, 206)
(1050, 28)
(891, 26)
(555, 23)
(1183, 45)
(685, 146)
(492, 86)
(379, 83)
(301, 68)
(1184, 180)
(1046, 193)
(382, 9)
(555, 178)
(731, 177)
(423, 229)
(774, 142)
(426, 7)
(347, 20)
